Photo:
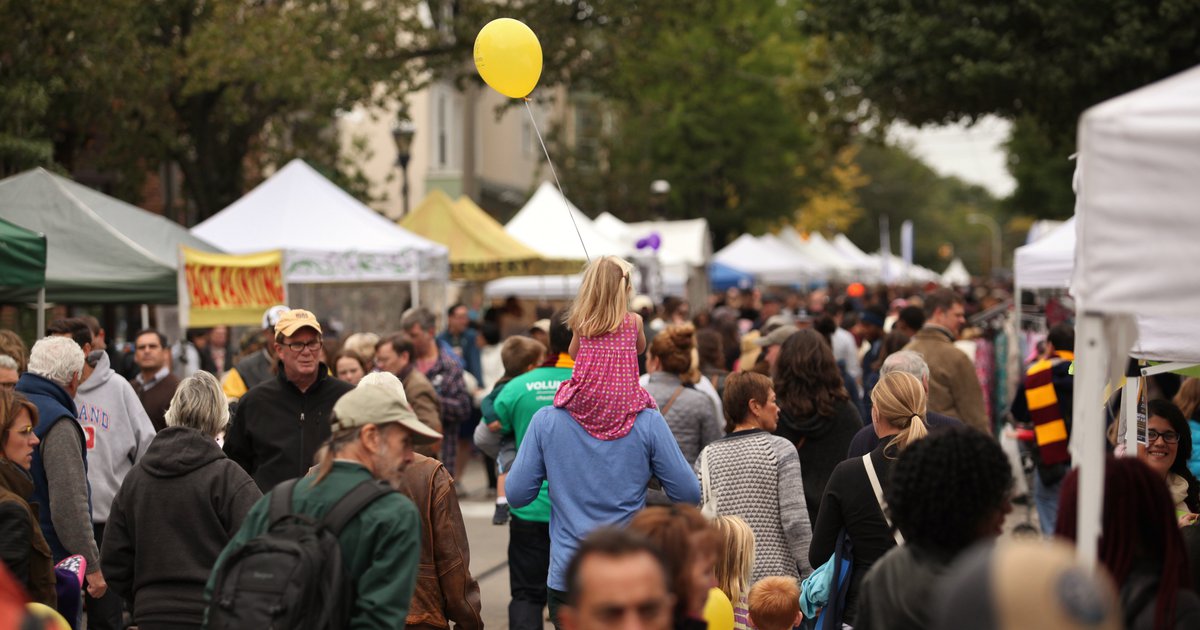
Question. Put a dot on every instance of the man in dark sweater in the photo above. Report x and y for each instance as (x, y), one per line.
(280, 424)
(903, 361)
(155, 384)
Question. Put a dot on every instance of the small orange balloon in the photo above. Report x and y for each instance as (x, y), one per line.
(856, 290)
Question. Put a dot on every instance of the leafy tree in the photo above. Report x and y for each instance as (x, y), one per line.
(1039, 63)
(720, 98)
(224, 88)
(901, 187)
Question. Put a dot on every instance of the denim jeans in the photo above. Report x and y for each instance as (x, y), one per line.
(1046, 498)
(528, 568)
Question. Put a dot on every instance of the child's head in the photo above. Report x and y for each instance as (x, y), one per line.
(520, 354)
(603, 298)
(735, 558)
(774, 603)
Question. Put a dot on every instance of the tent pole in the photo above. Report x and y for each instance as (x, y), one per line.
(41, 313)
(1087, 442)
(145, 316)
(1130, 397)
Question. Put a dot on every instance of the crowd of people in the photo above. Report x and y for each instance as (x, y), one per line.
(822, 459)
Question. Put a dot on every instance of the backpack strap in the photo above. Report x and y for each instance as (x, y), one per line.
(352, 503)
(281, 501)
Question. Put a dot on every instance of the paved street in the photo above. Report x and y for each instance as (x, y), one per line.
(489, 547)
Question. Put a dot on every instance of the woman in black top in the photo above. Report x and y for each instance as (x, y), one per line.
(815, 410)
(897, 411)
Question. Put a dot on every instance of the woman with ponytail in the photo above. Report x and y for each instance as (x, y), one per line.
(850, 501)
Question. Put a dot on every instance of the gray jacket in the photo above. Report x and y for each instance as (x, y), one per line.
(692, 416)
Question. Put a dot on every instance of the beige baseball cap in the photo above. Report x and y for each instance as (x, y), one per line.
(292, 321)
(379, 404)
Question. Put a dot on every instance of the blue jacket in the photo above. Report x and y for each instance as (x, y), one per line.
(471, 360)
(53, 405)
(594, 482)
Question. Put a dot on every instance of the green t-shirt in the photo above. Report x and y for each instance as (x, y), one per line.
(514, 408)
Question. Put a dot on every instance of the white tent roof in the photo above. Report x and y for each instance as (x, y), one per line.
(1137, 228)
(544, 226)
(816, 249)
(685, 243)
(956, 274)
(1138, 218)
(326, 234)
(768, 259)
(843, 244)
(1047, 263)
(899, 271)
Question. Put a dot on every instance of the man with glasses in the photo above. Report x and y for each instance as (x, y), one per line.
(280, 423)
(1044, 400)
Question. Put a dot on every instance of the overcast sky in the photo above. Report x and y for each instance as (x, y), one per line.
(974, 154)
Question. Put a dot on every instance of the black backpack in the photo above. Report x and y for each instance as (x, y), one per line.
(291, 576)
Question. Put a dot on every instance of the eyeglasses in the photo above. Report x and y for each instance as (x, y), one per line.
(25, 431)
(1170, 437)
(299, 346)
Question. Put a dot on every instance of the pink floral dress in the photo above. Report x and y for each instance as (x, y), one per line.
(603, 394)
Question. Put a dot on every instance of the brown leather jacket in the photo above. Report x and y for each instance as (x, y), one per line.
(445, 589)
(22, 542)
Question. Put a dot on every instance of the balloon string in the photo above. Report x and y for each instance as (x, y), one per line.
(566, 204)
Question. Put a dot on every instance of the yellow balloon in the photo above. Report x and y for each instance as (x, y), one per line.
(718, 611)
(48, 615)
(508, 57)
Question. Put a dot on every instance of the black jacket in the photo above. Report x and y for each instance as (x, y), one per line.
(820, 441)
(174, 513)
(277, 429)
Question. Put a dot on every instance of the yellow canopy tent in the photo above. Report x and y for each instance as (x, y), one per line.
(480, 249)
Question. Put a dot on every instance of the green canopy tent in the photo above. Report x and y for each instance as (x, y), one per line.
(101, 250)
(23, 264)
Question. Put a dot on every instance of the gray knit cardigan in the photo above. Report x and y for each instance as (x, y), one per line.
(756, 475)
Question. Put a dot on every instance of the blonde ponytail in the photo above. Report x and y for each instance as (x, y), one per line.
(916, 430)
(900, 399)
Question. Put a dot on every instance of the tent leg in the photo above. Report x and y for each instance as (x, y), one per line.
(41, 313)
(1087, 440)
(1129, 413)
(414, 287)
(145, 316)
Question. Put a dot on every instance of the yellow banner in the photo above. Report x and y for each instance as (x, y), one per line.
(231, 290)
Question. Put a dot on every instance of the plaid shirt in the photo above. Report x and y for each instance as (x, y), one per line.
(447, 378)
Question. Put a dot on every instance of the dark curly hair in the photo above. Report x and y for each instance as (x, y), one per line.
(945, 487)
(807, 378)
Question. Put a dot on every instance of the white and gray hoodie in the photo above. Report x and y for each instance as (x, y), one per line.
(117, 431)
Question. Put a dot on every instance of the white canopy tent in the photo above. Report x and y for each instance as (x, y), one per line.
(342, 260)
(683, 254)
(767, 259)
(894, 270)
(816, 249)
(1137, 226)
(544, 226)
(326, 235)
(1047, 263)
(956, 275)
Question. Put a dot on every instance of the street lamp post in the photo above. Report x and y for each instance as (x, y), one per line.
(988, 222)
(402, 134)
(659, 189)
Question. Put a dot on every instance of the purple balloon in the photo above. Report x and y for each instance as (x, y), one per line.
(653, 241)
